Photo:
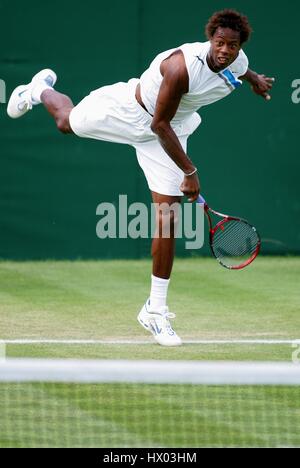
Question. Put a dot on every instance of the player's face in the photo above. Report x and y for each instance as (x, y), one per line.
(225, 47)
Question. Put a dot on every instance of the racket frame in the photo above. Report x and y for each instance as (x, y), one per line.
(225, 219)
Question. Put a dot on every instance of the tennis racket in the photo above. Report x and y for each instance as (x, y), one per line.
(233, 241)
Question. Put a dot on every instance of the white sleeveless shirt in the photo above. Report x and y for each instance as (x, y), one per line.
(205, 86)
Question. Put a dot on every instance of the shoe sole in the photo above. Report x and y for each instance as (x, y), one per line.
(177, 345)
(11, 107)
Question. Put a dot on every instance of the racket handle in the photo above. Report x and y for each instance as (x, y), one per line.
(201, 200)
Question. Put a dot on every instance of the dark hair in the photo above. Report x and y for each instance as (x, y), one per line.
(229, 19)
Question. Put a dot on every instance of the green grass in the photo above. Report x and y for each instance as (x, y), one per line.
(99, 301)
(140, 352)
(148, 416)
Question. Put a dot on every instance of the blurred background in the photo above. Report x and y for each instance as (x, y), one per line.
(246, 149)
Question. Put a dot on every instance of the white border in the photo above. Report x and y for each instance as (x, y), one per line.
(145, 342)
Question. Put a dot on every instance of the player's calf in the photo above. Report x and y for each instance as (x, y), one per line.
(59, 106)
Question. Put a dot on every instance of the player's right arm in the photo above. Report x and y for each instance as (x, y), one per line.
(260, 84)
(174, 85)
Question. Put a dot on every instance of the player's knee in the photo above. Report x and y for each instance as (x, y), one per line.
(63, 121)
(167, 223)
(63, 125)
(169, 217)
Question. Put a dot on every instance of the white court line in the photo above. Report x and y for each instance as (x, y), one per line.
(148, 342)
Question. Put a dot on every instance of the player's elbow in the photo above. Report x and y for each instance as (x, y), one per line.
(159, 127)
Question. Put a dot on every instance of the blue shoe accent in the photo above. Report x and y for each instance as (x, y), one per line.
(144, 324)
(155, 328)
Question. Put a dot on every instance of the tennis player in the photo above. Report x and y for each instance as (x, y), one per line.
(156, 114)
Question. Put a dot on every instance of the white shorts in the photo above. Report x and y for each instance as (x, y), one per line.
(113, 114)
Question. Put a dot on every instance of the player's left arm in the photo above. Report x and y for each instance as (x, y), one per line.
(260, 84)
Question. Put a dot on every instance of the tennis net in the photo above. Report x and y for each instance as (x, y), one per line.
(46, 403)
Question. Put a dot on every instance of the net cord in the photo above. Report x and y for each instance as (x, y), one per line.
(149, 372)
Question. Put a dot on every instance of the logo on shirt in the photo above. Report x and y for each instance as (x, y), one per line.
(230, 79)
(200, 59)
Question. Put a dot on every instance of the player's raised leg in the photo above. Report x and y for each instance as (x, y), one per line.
(155, 315)
(59, 106)
(40, 90)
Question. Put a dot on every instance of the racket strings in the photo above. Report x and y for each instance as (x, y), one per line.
(235, 242)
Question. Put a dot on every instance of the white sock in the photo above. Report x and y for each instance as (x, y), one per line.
(37, 91)
(159, 292)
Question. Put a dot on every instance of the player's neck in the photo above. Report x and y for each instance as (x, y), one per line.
(211, 64)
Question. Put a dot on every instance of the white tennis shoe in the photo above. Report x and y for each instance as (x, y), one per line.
(21, 100)
(158, 323)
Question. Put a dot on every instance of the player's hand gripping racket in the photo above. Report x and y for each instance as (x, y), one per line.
(233, 241)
